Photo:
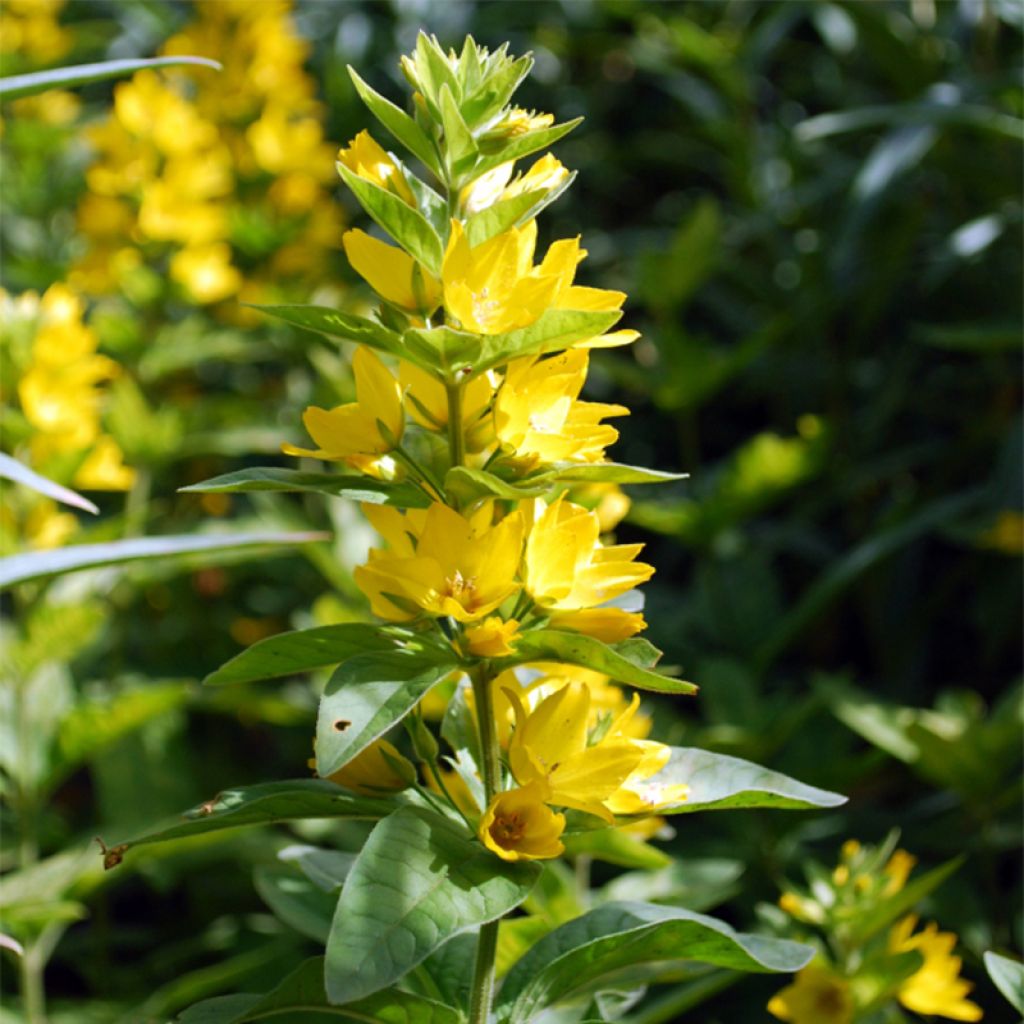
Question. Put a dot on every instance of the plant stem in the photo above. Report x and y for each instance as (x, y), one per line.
(487, 943)
(32, 995)
(456, 441)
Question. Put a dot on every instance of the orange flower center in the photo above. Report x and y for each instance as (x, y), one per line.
(508, 828)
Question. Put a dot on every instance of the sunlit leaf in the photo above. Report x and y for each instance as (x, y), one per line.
(12, 469)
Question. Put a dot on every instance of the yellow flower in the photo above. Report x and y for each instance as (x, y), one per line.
(206, 272)
(609, 625)
(462, 567)
(392, 272)
(380, 768)
(937, 987)
(546, 174)
(518, 826)
(427, 402)
(371, 425)
(897, 871)
(365, 158)
(550, 745)
(104, 468)
(517, 121)
(537, 413)
(567, 568)
(816, 997)
(492, 638)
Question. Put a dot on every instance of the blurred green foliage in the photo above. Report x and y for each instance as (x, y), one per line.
(816, 210)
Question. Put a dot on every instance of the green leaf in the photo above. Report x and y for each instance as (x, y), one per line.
(274, 478)
(304, 650)
(326, 869)
(623, 664)
(335, 324)
(419, 881)
(398, 122)
(14, 87)
(967, 114)
(612, 472)
(442, 350)
(553, 330)
(613, 846)
(407, 226)
(295, 900)
(369, 694)
(500, 217)
(1008, 976)
(495, 91)
(695, 883)
(719, 782)
(263, 804)
(524, 145)
(302, 993)
(459, 145)
(12, 469)
(35, 565)
(468, 485)
(570, 959)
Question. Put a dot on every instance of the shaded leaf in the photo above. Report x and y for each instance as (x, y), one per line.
(524, 145)
(335, 324)
(295, 900)
(1008, 976)
(12, 469)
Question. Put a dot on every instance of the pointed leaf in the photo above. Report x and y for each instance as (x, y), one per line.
(366, 696)
(420, 880)
(569, 960)
(1008, 976)
(35, 565)
(342, 485)
(304, 650)
(613, 472)
(459, 144)
(524, 145)
(398, 122)
(15, 86)
(407, 226)
(719, 782)
(335, 324)
(578, 649)
(495, 91)
(12, 469)
(501, 216)
(262, 804)
(468, 485)
(443, 350)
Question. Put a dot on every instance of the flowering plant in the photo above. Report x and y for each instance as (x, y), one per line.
(502, 600)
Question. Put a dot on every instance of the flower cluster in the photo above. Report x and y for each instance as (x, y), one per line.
(467, 394)
(864, 972)
(233, 175)
(60, 382)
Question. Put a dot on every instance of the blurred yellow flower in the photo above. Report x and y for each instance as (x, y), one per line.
(31, 30)
(817, 996)
(206, 272)
(517, 825)
(380, 768)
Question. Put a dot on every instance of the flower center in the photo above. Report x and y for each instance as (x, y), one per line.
(463, 589)
(508, 828)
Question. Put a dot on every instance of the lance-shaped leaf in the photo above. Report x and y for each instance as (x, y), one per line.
(420, 880)
(443, 350)
(335, 324)
(510, 212)
(467, 485)
(263, 804)
(626, 663)
(12, 469)
(14, 87)
(495, 91)
(459, 144)
(35, 565)
(568, 961)
(718, 782)
(367, 696)
(340, 485)
(1008, 976)
(407, 226)
(523, 145)
(302, 992)
(553, 330)
(304, 650)
(398, 122)
(610, 472)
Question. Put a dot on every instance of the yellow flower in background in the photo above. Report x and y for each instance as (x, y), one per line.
(936, 988)
(566, 568)
(550, 745)
(462, 567)
(537, 413)
(31, 30)
(206, 272)
(380, 768)
(104, 469)
(371, 425)
(518, 825)
(365, 157)
(492, 638)
(897, 871)
(817, 996)
(392, 272)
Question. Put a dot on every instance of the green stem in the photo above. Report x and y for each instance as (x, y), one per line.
(33, 1002)
(483, 973)
(456, 440)
(421, 473)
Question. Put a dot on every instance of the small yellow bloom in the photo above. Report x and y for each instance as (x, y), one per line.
(365, 157)
(495, 186)
(462, 567)
(537, 413)
(519, 826)
(566, 566)
(392, 272)
(517, 121)
(937, 987)
(371, 425)
(818, 996)
(492, 638)
(897, 871)
(380, 768)
(104, 468)
(206, 272)
(609, 625)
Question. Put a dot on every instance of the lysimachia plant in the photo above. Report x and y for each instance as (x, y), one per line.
(499, 601)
